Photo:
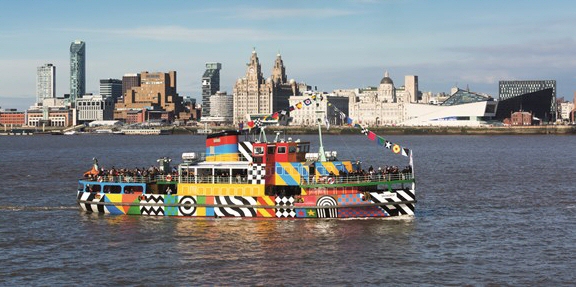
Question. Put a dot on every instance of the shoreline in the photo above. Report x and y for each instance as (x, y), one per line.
(337, 130)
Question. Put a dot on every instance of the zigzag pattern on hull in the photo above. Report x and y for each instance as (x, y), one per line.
(156, 208)
(235, 211)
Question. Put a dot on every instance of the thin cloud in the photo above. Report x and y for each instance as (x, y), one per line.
(266, 14)
(183, 34)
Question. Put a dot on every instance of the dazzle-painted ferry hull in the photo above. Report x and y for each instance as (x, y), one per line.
(372, 204)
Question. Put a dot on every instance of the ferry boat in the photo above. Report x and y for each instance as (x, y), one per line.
(251, 179)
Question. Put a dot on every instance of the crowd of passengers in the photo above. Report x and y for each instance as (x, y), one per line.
(128, 175)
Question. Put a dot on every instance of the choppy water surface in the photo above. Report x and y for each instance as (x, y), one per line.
(491, 210)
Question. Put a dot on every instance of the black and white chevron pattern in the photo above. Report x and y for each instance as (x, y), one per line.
(245, 149)
(93, 206)
(235, 211)
(152, 204)
(400, 196)
(327, 212)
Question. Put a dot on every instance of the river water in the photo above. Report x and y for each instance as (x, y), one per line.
(492, 210)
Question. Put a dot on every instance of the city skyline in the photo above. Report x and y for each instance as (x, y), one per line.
(327, 44)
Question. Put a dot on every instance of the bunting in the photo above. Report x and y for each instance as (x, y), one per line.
(395, 148)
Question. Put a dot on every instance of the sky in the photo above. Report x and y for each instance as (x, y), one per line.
(326, 44)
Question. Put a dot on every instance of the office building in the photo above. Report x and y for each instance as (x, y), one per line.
(537, 97)
(94, 108)
(45, 83)
(111, 88)
(77, 70)
(129, 81)
(210, 85)
(157, 92)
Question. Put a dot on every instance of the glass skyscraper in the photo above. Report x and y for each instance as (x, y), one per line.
(77, 70)
(515, 89)
(210, 85)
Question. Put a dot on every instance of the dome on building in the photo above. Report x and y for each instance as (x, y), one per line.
(386, 79)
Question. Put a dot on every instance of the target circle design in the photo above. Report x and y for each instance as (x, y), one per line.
(187, 210)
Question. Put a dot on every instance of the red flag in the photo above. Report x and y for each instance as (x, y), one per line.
(372, 136)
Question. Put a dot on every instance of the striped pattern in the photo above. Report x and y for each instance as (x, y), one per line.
(234, 211)
(398, 196)
(246, 149)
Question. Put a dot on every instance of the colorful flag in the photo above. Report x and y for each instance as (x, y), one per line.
(240, 126)
(396, 148)
(381, 140)
(275, 115)
(299, 105)
(349, 121)
(307, 102)
(405, 151)
(250, 124)
(388, 144)
(371, 136)
(291, 108)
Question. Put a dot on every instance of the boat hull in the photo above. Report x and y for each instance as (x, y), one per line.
(356, 205)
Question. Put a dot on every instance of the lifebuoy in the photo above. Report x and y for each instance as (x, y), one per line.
(169, 177)
(330, 180)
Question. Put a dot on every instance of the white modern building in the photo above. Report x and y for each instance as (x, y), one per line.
(387, 105)
(221, 109)
(94, 108)
(45, 83)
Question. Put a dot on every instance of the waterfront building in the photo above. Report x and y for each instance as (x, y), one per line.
(254, 96)
(222, 109)
(385, 104)
(129, 81)
(111, 88)
(536, 96)
(564, 110)
(157, 92)
(45, 83)
(12, 118)
(77, 70)
(462, 108)
(210, 85)
(335, 113)
(94, 108)
(49, 117)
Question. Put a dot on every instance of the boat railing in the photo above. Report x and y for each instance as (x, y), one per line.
(122, 178)
(352, 179)
(214, 179)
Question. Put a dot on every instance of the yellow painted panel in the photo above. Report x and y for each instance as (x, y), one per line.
(220, 189)
(114, 197)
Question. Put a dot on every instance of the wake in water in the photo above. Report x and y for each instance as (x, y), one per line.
(35, 208)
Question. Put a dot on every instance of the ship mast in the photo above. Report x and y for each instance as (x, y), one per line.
(319, 112)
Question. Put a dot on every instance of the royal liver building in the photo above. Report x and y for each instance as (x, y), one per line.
(385, 104)
(255, 96)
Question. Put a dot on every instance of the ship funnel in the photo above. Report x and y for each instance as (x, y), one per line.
(222, 146)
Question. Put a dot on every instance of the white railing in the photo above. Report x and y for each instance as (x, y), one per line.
(347, 179)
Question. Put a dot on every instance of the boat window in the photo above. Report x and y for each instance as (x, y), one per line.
(258, 150)
(271, 150)
(257, 159)
(133, 188)
(94, 188)
(80, 187)
(114, 188)
(292, 149)
(281, 149)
